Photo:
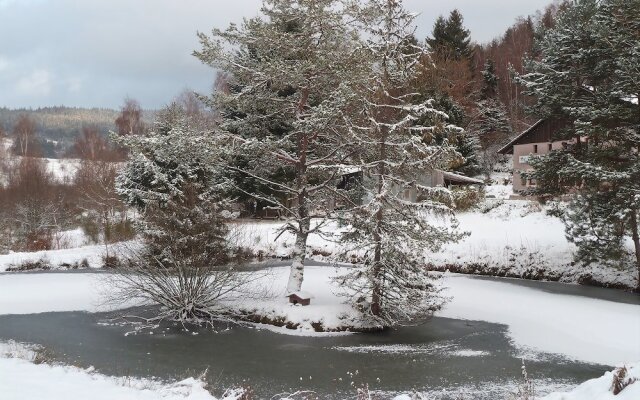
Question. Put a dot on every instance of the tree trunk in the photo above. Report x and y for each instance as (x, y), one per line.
(296, 275)
(377, 295)
(635, 235)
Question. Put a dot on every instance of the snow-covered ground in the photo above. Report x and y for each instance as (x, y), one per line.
(63, 169)
(507, 237)
(513, 238)
(601, 388)
(93, 254)
(21, 379)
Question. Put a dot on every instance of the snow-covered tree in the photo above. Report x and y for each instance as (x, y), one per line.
(490, 122)
(175, 180)
(288, 74)
(588, 76)
(389, 233)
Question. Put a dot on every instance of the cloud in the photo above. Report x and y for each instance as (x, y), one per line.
(94, 53)
(75, 84)
(36, 84)
(4, 64)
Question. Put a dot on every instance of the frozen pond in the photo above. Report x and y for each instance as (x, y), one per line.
(445, 357)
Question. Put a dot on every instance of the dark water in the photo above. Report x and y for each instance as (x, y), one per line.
(475, 359)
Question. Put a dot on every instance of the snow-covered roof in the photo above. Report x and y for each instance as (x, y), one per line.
(461, 178)
(301, 294)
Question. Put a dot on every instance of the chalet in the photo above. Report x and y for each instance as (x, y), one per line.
(539, 139)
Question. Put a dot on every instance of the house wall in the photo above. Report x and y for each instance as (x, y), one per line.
(521, 154)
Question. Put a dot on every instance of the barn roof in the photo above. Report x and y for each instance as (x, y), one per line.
(542, 131)
(508, 148)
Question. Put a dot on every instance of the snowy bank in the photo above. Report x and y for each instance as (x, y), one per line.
(70, 258)
(603, 388)
(21, 379)
(327, 312)
(507, 238)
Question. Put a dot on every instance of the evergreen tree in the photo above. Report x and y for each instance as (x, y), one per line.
(490, 123)
(465, 143)
(450, 39)
(489, 89)
(588, 76)
(389, 233)
(291, 68)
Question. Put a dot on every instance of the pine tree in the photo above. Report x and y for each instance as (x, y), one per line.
(173, 179)
(291, 68)
(490, 80)
(588, 76)
(450, 39)
(391, 234)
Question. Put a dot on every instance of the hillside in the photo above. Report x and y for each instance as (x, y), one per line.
(58, 127)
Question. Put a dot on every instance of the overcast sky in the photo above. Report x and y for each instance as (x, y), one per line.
(93, 53)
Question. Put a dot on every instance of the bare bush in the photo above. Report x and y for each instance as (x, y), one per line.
(186, 265)
(526, 389)
(187, 290)
(105, 218)
(42, 264)
(621, 380)
(35, 204)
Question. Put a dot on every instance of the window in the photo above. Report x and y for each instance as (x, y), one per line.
(523, 180)
(550, 146)
(535, 148)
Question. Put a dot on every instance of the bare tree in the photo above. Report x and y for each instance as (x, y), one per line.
(130, 122)
(24, 132)
(105, 215)
(36, 210)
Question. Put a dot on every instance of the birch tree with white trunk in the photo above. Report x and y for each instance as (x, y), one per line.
(288, 84)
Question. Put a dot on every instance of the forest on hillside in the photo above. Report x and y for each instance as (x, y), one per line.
(58, 128)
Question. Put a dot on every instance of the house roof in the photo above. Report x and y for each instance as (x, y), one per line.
(543, 131)
(508, 148)
(460, 178)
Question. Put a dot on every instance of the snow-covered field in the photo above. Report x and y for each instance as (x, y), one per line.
(63, 169)
(513, 238)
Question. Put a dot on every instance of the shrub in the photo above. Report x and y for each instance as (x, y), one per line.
(467, 197)
(621, 380)
(42, 264)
